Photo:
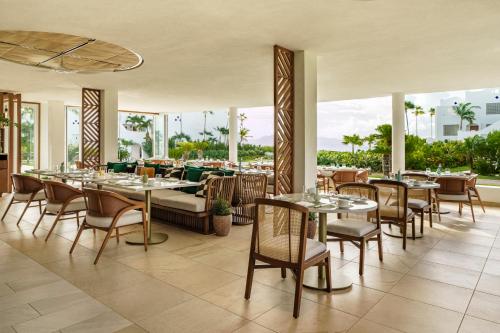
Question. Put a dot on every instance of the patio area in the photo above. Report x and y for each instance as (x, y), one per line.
(446, 282)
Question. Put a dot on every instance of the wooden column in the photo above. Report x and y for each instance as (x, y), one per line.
(11, 138)
(284, 91)
(91, 127)
(18, 130)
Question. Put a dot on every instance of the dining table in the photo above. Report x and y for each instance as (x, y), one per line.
(323, 205)
(134, 183)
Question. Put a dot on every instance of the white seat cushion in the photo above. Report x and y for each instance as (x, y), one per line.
(158, 195)
(185, 202)
(417, 203)
(351, 227)
(75, 205)
(388, 211)
(128, 218)
(453, 197)
(277, 248)
(40, 195)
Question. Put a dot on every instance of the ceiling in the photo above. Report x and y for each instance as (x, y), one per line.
(213, 54)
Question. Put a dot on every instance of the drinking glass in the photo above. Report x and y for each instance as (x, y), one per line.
(427, 170)
(447, 171)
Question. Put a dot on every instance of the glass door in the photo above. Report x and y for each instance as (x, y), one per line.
(30, 135)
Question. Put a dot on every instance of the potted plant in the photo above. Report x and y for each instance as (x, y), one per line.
(311, 225)
(186, 148)
(5, 122)
(222, 217)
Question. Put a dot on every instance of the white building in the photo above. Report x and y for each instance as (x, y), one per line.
(448, 123)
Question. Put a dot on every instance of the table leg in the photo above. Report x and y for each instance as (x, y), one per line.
(153, 237)
(316, 279)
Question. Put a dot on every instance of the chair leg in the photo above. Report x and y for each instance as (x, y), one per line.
(413, 228)
(362, 246)
(460, 208)
(24, 211)
(298, 292)
(117, 235)
(472, 211)
(422, 214)
(328, 269)
(380, 249)
(78, 219)
(438, 204)
(77, 237)
(39, 220)
(103, 245)
(283, 273)
(40, 206)
(404, 237)
(479, 199)
(430, 216)
(341, 244)
(206, 225)
(251, 267)
(53, 225)
(8, 207)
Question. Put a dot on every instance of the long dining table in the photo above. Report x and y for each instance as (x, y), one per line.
(327, 204)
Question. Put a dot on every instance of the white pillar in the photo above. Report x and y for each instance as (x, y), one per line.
(165, 135)
(233, 134)
(109, 126)
(52, 134)
(305, 131)
(398, 132)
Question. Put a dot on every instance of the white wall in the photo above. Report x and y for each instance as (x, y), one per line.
(52, 134)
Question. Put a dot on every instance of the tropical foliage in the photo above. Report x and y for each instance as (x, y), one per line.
(465, 111)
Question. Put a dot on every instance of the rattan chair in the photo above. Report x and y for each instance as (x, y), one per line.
(26, 190)
(62, 199)
(419, 200)
(279, 241)
(357, 228)
(454, 189)
(248, 187)
(146, 170)
(474, 193)
(362, 176)
(393, 205)
(340, 177)
(110, 211)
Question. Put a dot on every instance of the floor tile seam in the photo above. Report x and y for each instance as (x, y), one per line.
(447, 283)
(475, 287)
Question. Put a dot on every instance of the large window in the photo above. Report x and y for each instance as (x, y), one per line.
(29, 135)
(136, 135)
(450, 130)
(73, 131)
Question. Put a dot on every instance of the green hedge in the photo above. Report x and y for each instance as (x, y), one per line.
(362, 159)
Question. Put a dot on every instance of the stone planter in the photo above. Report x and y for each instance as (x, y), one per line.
(222, 224)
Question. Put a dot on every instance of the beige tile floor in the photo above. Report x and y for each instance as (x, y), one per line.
(449, 281)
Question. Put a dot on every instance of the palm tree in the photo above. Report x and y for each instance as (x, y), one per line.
(205, 122)
(353, 140)
(466, 112)
(418, 112)
(222, 132)
(432, 113)
(179, 119)
(225, 134)
(409, 105)
(370, 140)
(384, 146)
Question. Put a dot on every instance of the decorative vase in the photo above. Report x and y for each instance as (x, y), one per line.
(222, 224)
(311, 228)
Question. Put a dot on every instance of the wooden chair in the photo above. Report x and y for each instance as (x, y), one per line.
(419, 200)
(393, 205)
(248, 187)
(62, 199)
(362, 176)
(454, 189)
(146, 170)
(357, 228)
(279, 239)
(474, 193)
(26, 190)
(110, 211)
(344, 176)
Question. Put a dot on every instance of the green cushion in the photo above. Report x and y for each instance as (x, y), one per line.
(190, 190)
(193, 174)
(120, 167)
(228, 173)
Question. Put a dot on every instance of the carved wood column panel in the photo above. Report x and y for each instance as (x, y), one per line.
(283, 119)
(91, 127)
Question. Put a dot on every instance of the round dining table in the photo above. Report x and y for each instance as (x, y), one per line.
(327, 204)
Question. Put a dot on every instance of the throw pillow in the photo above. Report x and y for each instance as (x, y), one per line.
(202, 191)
